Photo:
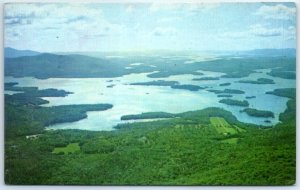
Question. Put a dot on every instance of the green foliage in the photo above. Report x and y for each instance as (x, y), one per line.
(185, 150)
(225, 84)
(258, 81)
(31, 95)
(232, 102)
(187, 87)
(74, 66)
(222, 127)
(250, 97)
(290, 113)
(100, 145)
(284, 92)
(148, 115)
(156, 83)
(24, 116)
(224, 95)
(71, 148)
(206, 78)
(65, 113)
(230, 140)
(258, 113)
(26, 120)
(24, 100)
(283, 74)
(34, 92)
(53, 65)
(177, 151)
(228, 91)
(172, 84)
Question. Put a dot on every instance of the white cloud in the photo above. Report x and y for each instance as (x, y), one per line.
(198, 7)
(129, 9)
(189, 7)
(169, 20)
(236, 34)
(289, 33)
(12, 34)
(159, 6)
(57, 19)
(28, 10)
(278, 11)
(262, 31)
(167, 31)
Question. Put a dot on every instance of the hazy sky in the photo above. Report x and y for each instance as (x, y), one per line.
(119, 27)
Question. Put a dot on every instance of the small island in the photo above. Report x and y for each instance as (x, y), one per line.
(35, 92)
(225, 95)
(30, 99)
(227, 91)
(232, 102)
(258, 81)
(10, 84)
(110, 86)
(172, 84)
(148, 115)
(225, 84)
(250, 97)
(258, 113)
(206, 78)
(283, 74)
(156, 83)
(284, 92)
(187, 87)
(67, 113)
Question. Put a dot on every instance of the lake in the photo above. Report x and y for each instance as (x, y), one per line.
(133, 99)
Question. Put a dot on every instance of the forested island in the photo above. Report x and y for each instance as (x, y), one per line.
(224, 95)
(206, 78)
(34, 91)
(232, 102)
(227, 91)
(258, 113)
(157, 83)
(225, 84)
(172, 84)
(187, 87)
(27, 105)
(148, 115)
(258, 81)
(282, 73)
(284, 92)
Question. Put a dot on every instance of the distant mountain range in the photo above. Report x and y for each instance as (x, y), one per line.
(12, 53)
(274, 52)
(47, 65)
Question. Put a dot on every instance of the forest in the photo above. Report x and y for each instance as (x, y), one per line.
(188, 149)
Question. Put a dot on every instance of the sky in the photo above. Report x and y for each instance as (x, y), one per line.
(149, 26)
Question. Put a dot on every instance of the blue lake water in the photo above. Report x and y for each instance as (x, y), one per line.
(129, 99)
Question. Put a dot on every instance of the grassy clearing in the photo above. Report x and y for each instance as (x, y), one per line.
(222, 127)
(240, 130)
(230, 141)
(71, 148)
